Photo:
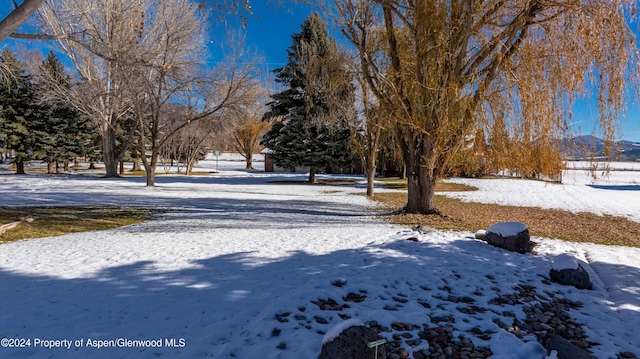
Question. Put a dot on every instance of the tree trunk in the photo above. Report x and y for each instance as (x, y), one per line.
(121, 170)
(151, 175)
(249, 160)
(370, 183)
(109, 151)
(50, 168)
(312, 174)
(417, 150)
(421, 188)
(150, 166)
(137, 164)
(66, 166)
(371, 170)
(20, 168)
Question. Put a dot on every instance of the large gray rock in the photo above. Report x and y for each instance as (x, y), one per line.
(352, 344)
(512, 236)
(566, 350)
(577, 277)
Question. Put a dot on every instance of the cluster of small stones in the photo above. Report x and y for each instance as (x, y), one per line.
(442, 343)
(546, 318)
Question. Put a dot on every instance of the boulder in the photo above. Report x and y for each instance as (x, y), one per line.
(512, 236)
(566, 350)
(577, 277)
(351, 343)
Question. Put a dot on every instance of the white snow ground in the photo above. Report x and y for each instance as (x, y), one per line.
(616, 193)
(232, 267)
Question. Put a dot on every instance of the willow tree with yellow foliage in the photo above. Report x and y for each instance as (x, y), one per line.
(248, 127)
(450, 68)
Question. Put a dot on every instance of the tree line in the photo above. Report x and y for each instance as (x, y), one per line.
(318, 122)
(34, 126)
(30, 129)
(461, 78)
(465, 86)
(141, 79)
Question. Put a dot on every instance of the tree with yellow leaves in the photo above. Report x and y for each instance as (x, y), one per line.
(246, 137)
(450, 68)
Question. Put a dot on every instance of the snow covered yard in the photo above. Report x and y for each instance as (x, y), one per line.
(237, 267)
(616, 193)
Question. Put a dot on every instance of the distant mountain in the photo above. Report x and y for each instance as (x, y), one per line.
(588, 146)
(630, 150)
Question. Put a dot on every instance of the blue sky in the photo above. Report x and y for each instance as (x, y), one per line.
(269, 31)
(269, 28)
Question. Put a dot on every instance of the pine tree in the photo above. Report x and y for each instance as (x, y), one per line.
(67, 133)
(310, 117)
(18, 111)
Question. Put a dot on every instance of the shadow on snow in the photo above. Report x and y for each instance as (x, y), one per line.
(616, 187)
(226, 305)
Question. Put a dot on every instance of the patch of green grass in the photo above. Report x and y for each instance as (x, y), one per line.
(463, 216)
(37, 222)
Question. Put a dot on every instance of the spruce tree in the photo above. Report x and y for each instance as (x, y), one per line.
(310, 117)
(17, 110)
(67, 133)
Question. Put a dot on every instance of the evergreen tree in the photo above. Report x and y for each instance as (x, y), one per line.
(55, 132)
(67, 133)
(310, 117)
(17, 110)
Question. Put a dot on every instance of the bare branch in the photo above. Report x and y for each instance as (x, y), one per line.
(18, 16)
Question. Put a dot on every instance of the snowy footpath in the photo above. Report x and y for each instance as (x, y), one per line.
(237, 267)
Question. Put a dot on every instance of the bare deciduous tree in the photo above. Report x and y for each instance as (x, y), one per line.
(134, 58)
(190, 143)
(21, 13)
(447, 63)
(166, 68)
(102, 40)
(366, 32)
(172, 74)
